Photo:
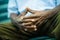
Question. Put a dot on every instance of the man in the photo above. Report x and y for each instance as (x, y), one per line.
(41, 17)
(15, 8)
(18, 6)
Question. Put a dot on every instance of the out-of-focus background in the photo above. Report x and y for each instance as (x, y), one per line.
(3, 11)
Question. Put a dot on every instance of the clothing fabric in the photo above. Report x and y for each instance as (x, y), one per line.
(52, 26)
(11, 32)
(17, 6)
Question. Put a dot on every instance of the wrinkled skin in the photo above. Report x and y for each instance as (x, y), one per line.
(37, 17)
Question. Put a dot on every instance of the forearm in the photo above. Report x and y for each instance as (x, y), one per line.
(53, 11)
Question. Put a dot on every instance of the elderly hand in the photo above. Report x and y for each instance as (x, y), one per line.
(29, 22)
(39, 17)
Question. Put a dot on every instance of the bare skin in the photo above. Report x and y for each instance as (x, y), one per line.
(37, 17)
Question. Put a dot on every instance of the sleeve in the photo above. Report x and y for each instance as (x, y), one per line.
(12, 7)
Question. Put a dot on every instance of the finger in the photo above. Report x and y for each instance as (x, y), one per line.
(26, 24)
(30, 10)
(28, 20)
(19, 19)
(23, 13)
(30, 27)
(32, 16)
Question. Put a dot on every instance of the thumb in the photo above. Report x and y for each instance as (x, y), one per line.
(30, 10)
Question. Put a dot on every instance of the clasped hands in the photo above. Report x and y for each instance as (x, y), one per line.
(30, 23)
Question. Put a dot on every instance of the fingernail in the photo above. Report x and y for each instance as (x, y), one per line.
(32, 19)
(34, 26)
(25, 29)
(35, 29)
